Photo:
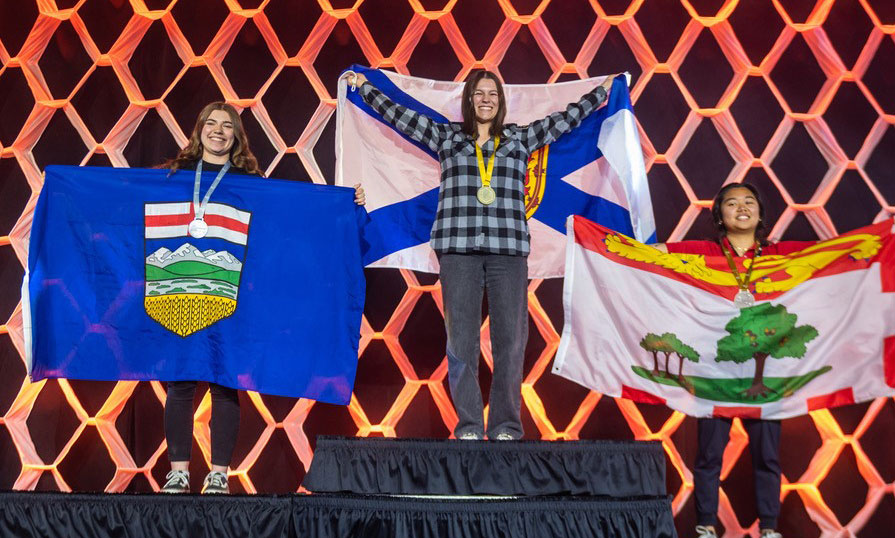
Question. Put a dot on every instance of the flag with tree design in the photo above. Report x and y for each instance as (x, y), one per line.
(657, 327)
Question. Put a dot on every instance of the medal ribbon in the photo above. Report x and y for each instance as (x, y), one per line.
(742, 282)
(200, 208)
(485, 173)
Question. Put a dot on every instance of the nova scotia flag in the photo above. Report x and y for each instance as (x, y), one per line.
(595, 171)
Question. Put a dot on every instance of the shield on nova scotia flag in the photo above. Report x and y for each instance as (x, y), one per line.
(595, 170)
(187, 288)
(663, 328)
(269, 299)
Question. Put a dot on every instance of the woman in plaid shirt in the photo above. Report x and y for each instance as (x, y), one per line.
(481, 235)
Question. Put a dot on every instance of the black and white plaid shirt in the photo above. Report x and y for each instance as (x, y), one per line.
(463, 225)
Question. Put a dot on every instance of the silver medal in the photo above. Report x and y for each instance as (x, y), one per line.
(198, 228)
(744, 299)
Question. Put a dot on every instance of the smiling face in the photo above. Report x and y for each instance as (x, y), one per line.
(485, 100)
(217, 137)
(740, 210)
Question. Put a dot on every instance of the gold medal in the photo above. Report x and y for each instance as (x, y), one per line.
(485, 195)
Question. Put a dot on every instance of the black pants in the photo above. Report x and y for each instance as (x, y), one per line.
(764, 445)
(179, 421)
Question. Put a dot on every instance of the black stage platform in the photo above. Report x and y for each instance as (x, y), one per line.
(61, 515)
(388, 488)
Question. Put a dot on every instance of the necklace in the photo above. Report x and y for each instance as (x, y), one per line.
(740, 251)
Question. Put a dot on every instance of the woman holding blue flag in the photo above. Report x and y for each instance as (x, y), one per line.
(481, 235)
(739, 216)
(218, 143)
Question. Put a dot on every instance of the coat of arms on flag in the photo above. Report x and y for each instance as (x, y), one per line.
(595, 170)
(188, 289)
(663, 328)
(266, 296)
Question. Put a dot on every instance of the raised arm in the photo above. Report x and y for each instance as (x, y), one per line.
(545, 131)
(417, 126)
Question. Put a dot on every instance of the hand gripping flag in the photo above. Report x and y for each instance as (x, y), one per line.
(269, 300)
(595, 170)
(663, 328)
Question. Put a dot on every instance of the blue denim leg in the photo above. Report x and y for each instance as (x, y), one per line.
(506, 283)
(462, 283)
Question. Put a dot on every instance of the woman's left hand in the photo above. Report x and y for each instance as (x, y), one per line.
(359, 197)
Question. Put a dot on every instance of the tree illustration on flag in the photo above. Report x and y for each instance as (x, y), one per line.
(667, 344)
(763, 331)
(631, 310)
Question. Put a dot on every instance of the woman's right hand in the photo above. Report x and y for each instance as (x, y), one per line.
(607, 84)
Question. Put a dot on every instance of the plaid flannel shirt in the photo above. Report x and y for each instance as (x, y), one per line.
(463, 225)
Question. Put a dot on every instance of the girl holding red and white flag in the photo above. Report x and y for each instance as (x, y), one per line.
(738, 213)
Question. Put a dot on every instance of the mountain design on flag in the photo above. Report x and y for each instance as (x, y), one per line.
(187, 252)
(188, 289)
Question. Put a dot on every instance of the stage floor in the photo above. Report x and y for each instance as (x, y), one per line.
(51, 515)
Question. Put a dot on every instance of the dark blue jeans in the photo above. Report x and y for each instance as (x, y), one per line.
(764, 445)
(464, 278)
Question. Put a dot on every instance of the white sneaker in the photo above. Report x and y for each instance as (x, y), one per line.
(505, 437)
(705, 532)
(177, 482)
(470, 436)
(770, 534)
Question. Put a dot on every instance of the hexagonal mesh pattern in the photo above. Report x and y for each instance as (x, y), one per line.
(797, 97)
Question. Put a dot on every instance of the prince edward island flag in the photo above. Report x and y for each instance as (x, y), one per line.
(269, 299)
(595, 170)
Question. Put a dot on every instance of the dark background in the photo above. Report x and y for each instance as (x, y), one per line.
(795, 96)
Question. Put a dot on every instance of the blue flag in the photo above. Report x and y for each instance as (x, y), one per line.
(596, 170)
(268, 297)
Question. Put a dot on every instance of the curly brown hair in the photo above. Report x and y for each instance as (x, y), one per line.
(240, 154)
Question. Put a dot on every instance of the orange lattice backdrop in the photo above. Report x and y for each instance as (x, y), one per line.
(797, 96)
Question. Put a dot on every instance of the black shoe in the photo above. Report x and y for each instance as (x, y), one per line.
(216, 483)
(177, 482)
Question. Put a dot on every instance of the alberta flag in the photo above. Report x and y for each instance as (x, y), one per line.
(595, 170)
(664, 329)
(269, 299)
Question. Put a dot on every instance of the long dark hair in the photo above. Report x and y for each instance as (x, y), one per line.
(468, 108)
(761, 231)
(240, 154)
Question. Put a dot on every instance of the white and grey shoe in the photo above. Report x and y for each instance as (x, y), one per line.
(177, 482)
(705, 532)
(216, 483)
